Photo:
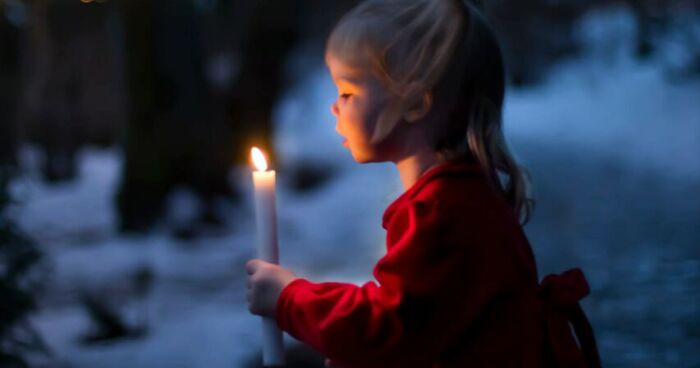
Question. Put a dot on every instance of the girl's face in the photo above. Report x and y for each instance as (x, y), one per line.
(361, 99)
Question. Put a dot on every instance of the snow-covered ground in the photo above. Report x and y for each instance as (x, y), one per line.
(614, 149)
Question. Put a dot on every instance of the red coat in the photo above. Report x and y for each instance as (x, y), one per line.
(458, 286)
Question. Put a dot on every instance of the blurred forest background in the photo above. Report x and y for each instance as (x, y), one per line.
(149, 108)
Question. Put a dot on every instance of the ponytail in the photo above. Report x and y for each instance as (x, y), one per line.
(488, 146)
(478, 63)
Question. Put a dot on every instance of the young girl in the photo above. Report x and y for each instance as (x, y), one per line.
(421, 84)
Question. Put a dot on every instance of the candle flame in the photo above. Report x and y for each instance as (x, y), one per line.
(258, 159)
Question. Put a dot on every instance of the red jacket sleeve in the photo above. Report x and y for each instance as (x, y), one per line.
(431, 286)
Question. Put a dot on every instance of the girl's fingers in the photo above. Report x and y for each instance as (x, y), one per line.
(252, 266)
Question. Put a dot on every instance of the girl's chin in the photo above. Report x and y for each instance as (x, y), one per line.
(358, 158)
(364, 159)
(363, 156)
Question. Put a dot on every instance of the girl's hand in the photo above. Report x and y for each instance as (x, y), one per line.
(265, 284)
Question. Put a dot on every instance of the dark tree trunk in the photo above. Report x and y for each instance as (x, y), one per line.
(143, 185)
(271, 32)
(9, 87)
(644, 47)
(175, 134)
(72, 82)
(172, 136)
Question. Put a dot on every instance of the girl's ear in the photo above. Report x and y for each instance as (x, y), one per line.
(420, 109)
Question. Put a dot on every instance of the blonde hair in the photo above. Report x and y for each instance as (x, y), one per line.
(447, 48)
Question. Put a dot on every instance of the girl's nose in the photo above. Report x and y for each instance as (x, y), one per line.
(334, 109)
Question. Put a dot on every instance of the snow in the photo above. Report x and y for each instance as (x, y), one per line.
(610, 105)
(594, 113)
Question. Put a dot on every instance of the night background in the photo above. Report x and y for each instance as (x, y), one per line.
(126, 197)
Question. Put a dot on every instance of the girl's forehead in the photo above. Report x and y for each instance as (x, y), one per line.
(341, 70)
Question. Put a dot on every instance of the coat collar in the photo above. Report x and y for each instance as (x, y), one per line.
(448, 169)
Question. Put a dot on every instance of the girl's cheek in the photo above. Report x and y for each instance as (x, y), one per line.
(343, 106)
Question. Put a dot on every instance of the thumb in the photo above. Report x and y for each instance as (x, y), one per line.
(252, 266)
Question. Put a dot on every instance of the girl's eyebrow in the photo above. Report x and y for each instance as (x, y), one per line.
(348, 79)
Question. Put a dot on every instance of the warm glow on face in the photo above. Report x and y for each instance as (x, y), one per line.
(258, 159)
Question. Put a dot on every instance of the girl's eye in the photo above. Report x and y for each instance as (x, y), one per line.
(345, 95)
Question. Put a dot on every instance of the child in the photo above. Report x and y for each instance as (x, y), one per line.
(421, 84)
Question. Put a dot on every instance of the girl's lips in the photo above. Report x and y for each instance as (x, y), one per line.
(345, 143)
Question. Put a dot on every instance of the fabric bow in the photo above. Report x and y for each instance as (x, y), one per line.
(560, 295)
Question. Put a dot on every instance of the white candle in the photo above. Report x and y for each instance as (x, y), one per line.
(266, 219)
